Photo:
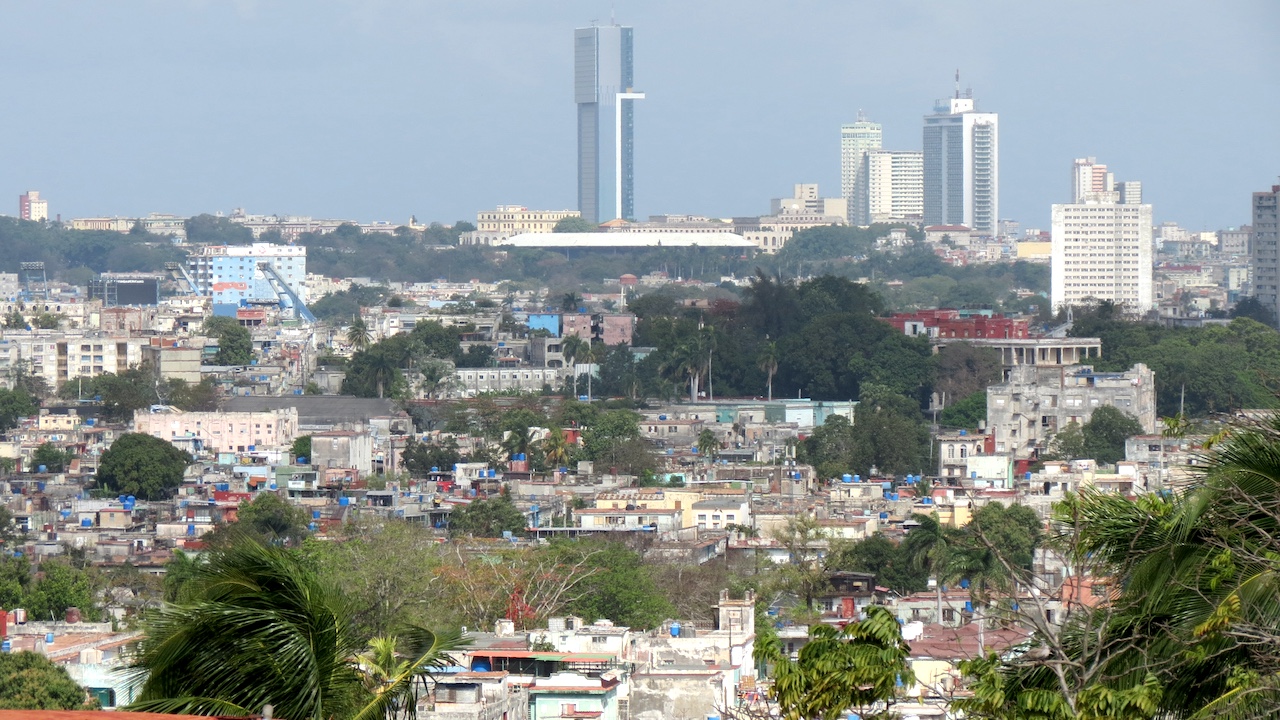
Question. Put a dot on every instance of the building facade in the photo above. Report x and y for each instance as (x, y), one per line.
(219, 431)
(894, 184)
(32, 207)
(1102, 250)
(1265, 249)
(230, 274)
(856, 140)
(1035, 403)
(509, 220)
(962, 166)
(602, 69)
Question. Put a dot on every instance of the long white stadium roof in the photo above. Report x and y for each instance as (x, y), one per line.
(627, 240)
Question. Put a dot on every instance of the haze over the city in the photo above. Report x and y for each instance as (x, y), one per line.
(379, 110)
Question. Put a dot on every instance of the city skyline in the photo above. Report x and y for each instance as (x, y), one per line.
(382, 111)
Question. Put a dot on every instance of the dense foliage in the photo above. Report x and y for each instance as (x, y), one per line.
(1192, 625)
(143, 466)
(30, 681)
(1219, 368)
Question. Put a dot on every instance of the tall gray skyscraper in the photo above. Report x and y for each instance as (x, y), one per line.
(962, 166)
(602, 69)
(1266, 248)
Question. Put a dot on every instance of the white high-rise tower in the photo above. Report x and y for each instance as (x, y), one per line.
(962, 165)
(1102, 245)
(856, 140)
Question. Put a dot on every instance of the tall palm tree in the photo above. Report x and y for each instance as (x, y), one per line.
(555, 447)
(574, 348)
(264, 629)
(358, 335)
(767, 361)
(929, 548)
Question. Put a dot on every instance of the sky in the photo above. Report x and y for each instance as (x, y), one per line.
(382, 109)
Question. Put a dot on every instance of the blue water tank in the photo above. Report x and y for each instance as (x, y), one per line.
(435, 469)
(344, 501)
(1028, 474)
(302, 461)
(884, 516)
(857, 478)
(964, 432)
(48, 638)
(131, 499)
(964, 583)
(481, 665)
(968, 606)
(886, 486)
(311, 527)
(86, 522)
(315, 514)
(66, 514)
(893, 496)
(927, 501)
(662, 417)
(675, 629)
(43, 469)
(6, 646)
(272, 486)
(846, 478)
(191, 530)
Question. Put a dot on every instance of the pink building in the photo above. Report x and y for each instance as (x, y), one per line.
(219, 431)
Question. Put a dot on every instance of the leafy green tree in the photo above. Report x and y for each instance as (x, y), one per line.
(59, 587)
(235, 345)
(488, 518)
(141, 465)
(889, 561)
(51, 457)
(708, 446)
(14, 406)
(271, 519)
(804, 575)
(618, 585)
(9, 532)
(888, 433)
(1252, 308)
(208, 229)
(420, 457)
(857, 667)
(964, 370)
(264, 628)
(197, 397)
(1106, 431)
(830, 447)
(966, 412)
(30, 681)
(575, 224)
(14, 320)
(15, 579)
(1067, 444)
(301, 447)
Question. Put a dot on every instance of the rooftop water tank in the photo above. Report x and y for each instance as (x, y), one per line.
(675, 629)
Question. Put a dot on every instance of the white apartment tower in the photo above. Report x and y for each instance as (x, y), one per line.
(894, 186)
(962, 166)
(1101, 247)
(856, 140)
(1266, 248)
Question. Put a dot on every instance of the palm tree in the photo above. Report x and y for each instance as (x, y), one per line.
(687, 361)
(555, 447)
(929, 548)
(264, 629)
(518, 442)
(570, 302)
(358, 335)
(708, 446)
(573, 348)
(768, 362)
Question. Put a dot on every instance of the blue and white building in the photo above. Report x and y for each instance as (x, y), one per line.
(234, 277)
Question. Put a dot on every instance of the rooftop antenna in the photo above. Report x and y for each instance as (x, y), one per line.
(957, 83)
(613, 12)
(862, 116)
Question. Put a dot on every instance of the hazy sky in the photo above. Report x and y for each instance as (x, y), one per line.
(379, 109)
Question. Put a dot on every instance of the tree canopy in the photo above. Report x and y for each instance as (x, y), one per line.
(30, 681)
(143, 466)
